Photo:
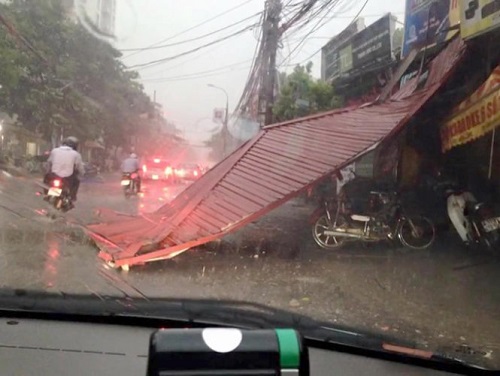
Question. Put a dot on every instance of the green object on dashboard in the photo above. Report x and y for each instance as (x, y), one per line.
(289, 348)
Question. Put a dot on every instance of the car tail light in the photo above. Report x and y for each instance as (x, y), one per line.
(144, 168)
(168, 171)
(56, 183)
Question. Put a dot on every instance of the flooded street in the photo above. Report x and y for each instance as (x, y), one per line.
(431, 297)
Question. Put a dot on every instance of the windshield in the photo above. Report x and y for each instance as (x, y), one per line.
(353, 155)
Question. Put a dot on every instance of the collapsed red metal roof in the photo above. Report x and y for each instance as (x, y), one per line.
(278, 164)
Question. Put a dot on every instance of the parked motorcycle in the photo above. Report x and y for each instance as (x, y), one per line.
(58, 195)
(129, 184)
(475, 222)
(91, 170)
(339, 221)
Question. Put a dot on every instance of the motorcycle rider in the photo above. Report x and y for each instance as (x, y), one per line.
(131, 165)
(66, 163)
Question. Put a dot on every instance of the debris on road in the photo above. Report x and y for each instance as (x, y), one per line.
(278, 164)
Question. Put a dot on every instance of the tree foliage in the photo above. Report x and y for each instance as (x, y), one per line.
(301, 95)
(77, 86)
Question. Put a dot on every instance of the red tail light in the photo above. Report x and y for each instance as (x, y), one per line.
(133, 176)
(56, 183)
(144, 168)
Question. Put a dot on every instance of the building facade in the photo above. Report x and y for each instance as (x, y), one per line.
(101, 13)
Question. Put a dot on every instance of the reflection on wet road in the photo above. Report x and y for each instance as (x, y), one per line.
(156, 194)
(443, 297)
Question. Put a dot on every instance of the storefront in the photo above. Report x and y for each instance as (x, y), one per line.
(470, 138)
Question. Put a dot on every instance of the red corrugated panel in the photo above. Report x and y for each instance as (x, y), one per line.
(279, 163)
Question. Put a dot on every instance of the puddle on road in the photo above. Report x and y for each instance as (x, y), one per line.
(28, 235)
(17, 235)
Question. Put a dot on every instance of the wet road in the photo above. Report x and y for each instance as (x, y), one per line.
(444, 298)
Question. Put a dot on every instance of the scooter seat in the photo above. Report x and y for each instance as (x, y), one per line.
(360, 218)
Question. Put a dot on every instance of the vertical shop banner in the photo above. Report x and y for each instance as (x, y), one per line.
(429, 22)
(474, 117)
(478, 17)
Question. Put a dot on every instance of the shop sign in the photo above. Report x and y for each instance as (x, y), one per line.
(330, 53)
(428, 22)
(478, 17)
(373, 43)
(474, 117)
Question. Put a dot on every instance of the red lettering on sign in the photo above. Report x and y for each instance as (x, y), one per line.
(490, 110)
(483, 114)
(477, 118)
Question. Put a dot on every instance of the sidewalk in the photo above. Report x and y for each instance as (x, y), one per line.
(18, 171)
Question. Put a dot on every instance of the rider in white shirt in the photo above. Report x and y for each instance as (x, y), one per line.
(65, 162)
(131, 165)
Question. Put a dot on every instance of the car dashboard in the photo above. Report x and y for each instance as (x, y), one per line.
(48, 347)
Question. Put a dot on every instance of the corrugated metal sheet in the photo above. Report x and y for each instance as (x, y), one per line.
(279, 163)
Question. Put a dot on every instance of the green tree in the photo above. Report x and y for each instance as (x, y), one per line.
(77, 86)
(301, 95)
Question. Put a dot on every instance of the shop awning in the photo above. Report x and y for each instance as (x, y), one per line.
(475, 116)
(280, 163)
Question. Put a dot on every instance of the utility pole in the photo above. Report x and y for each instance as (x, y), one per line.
(271, 35)
(224, 131)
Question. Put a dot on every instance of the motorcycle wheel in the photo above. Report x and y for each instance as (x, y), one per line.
(326, 241)
(486, 241)
(416, 232)
(58, 202)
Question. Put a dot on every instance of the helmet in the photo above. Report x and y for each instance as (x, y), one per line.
(72, 142)
(133, 155)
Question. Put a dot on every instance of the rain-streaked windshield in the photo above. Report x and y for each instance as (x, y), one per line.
(333, 158)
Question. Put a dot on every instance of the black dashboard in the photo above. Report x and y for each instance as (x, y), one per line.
(40, 347)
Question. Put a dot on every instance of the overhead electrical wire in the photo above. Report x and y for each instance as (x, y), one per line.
(189, 58)
(319, 50)
(196, 77)
(252, 82)
(315, 28)
(256, 74)
(193, 39)
(224, 68)
(320, 24)
(193, 27)
(295, 16)
(173, 57)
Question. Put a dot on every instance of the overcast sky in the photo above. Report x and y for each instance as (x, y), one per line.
(189, 102)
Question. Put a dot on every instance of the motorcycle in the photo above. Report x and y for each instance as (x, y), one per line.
(338, 222)
(129, 184)
(58, 194)
(91, 170)
(475, 222)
